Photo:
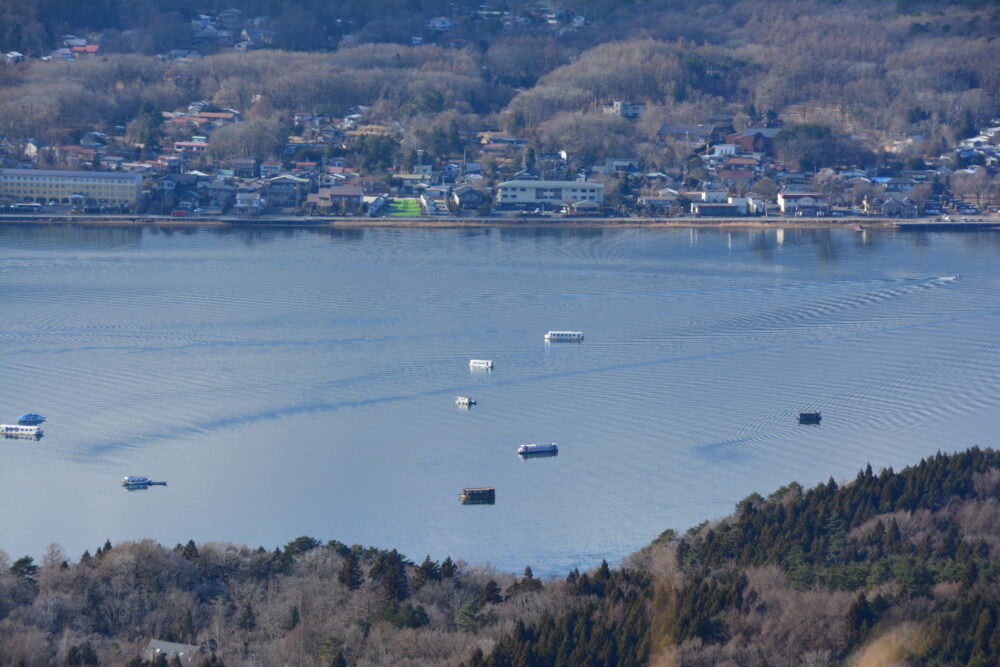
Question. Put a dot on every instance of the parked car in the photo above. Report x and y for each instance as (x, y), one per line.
(179, 213)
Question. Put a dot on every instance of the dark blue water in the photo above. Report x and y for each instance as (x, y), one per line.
(300, 382)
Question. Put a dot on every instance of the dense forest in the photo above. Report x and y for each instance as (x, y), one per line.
(863, 71)
(891, 567)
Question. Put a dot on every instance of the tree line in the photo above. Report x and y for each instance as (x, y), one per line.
(899, 564)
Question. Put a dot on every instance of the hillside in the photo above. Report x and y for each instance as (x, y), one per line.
(869, 70)
(898, 566)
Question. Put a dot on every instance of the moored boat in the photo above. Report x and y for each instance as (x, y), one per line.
(564, 336)
(538, 449)
(810, 417)
(20, 430)
(481, 364)
(139, 481)
(464, 401)
(485, 495)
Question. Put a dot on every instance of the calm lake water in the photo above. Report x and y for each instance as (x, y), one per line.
(292, 382)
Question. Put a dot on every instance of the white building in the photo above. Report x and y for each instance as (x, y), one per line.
(531, 194)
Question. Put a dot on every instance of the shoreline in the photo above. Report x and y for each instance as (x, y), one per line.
(460, 223)
(852, 223)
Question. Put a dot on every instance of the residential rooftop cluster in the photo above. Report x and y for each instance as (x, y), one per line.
(349, 165)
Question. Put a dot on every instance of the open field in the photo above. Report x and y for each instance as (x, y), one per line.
(404, 208)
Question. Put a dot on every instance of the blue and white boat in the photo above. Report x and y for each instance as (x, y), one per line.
(21, 430)
(30, 419)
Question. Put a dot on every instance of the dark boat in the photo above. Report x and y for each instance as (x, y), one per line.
(478, 496)
(810, 417)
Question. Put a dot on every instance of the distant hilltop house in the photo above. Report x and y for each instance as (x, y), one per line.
(624, 109)
(531, 194)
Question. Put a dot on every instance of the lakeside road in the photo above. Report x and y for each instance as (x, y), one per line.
(444, 223)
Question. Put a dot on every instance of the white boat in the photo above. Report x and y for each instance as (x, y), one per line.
(464, 401)
(481, 363)
(549, 448)
(20, 429)
(561, 336)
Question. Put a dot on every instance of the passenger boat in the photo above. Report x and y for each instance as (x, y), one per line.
(810, 417)
(464, 401)
(564, 336)
(139, 480)
(481, 364)
(478, 496)
(30, 419)
(538, 449)
(20, 430)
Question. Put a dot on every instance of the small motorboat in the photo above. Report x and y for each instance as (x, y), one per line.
(810, 417)
(464, 401)
(137, 481)
(30, 419)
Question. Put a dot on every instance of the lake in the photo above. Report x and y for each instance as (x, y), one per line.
(302, 382)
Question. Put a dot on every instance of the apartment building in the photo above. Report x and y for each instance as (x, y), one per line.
(66, 187)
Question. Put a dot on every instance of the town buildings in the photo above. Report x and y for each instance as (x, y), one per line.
(71, 187)
(532, 194)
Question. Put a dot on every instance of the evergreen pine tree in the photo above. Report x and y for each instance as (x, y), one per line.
(350, 572)
(293, 619)
(189, 627)
(189, 551)
(427, 572)
(248, 621)
(448, 568)
(490, 594)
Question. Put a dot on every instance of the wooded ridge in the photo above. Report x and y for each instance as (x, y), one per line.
(896, 566)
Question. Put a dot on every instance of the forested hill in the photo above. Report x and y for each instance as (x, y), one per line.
(891, 567)
(869, 72)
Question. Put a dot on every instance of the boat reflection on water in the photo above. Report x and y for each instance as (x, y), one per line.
(23, 436)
